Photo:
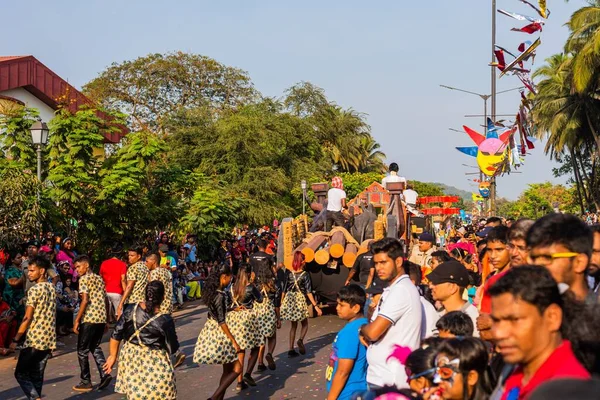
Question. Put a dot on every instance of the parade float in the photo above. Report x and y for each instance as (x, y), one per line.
(375, 213)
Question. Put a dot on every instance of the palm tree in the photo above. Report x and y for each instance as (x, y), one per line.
(340, 131)
(584, 44)
(563, 117)
(372, 159)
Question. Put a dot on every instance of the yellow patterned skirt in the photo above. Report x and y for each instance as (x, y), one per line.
(293, 307)
(213, 346)
(266, 317)
(145, 373)
(243, 325)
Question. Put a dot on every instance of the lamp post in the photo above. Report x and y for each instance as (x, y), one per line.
(39, 136)
(303, 186)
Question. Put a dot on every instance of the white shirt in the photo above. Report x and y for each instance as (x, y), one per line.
(400, 304)
(410, 196)
(430, 318)
(334, 199)
(392, 177)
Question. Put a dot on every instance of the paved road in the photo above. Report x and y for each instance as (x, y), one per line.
(298, 378)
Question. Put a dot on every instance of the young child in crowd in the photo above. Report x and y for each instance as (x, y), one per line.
(346, 373)
(453, 324)
(421, 368)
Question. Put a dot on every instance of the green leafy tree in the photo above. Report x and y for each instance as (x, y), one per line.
(150, 89)
(371, 158)
(584, 43)
(425, 189)
(21, 213)
(356, 182)
(212, 212)
(15, 141)
(540, 199)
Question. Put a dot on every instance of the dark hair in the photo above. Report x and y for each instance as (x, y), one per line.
(394, 167)
(458, 253)
(40, 262)
(265, 279)
(137, 249)
(473, 356)
(353, 295)
(563, 229)
(497, 234)
(518, 230)
(81, 259)
(261, 244)
(391, 246)
(531, 284)
(457, 323)
(116, 249)
(441, 255)
(494, 220)
(414, 272)
(595, 228)
(213, 282)
(422, 360)
(155, 294)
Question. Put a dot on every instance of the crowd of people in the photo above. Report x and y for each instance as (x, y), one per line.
(500, 311)
(49, 291)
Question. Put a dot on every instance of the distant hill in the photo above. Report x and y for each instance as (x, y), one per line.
(452, 191)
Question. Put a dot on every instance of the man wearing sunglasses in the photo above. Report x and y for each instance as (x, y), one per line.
(563, 244)
(527, 314)
(448, 283)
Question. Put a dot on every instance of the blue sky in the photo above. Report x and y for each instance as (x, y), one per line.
(383, 58)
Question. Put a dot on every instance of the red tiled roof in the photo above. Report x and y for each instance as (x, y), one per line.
(6, 58)
(30, 74)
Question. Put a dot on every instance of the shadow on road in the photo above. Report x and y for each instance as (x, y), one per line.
(16, 392)
(269, 382)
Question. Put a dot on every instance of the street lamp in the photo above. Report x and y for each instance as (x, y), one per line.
(39, 136)
(303, 186)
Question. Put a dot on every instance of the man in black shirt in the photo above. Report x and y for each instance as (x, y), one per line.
(365, 268)
(261, 259)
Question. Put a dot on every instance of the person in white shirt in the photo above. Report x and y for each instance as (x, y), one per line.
(395, 327)
(336, 202)
(430, 315)
(448, 282)
(410, 196)
(393, 176)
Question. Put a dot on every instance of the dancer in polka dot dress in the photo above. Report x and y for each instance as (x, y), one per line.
(216, 344)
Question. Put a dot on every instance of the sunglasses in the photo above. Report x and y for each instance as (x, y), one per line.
(547, 259)
(416, 376)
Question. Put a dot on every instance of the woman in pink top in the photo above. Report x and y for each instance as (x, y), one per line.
(66, 253)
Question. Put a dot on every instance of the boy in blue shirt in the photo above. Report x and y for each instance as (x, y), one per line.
(346, 373)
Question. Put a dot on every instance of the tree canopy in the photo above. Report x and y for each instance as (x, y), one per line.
(205, 151)
(566, 109)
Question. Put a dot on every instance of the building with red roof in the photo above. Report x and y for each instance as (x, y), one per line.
(24, 80)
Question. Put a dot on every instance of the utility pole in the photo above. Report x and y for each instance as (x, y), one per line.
(492, 209)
